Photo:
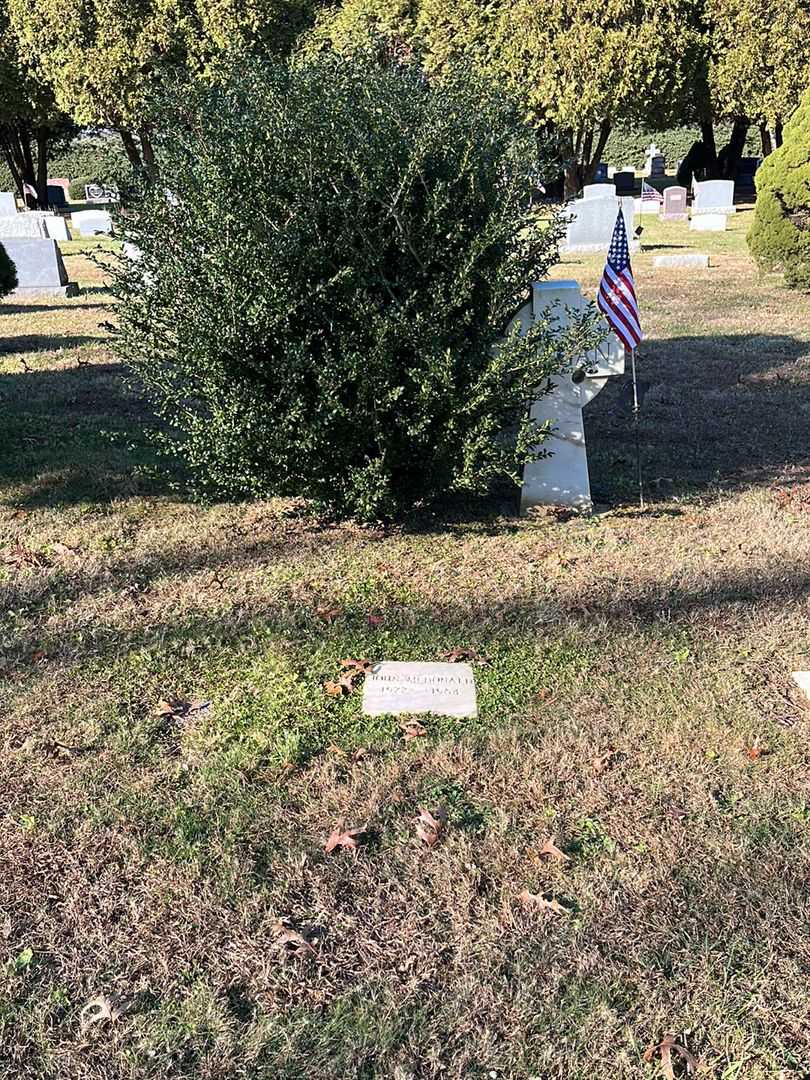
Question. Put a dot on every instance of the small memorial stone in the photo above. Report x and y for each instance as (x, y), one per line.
(394, 687)
(674, 208)
(695, 259)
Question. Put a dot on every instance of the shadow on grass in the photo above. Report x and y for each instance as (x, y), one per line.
(726, 411)
(25, 344)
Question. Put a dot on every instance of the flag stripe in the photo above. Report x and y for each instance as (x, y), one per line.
(617, 291)
(628, 312)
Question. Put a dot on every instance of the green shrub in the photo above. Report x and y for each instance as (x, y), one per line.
(779, 238)
(8, 273)
(77, 186)
(627, 145)
(316, 306)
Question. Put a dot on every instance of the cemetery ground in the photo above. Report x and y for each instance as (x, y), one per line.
(168, 862)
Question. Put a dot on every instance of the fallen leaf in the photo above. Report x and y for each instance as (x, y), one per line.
(465, 656)
(37, 656)
(430, 827)
(176, 708)
(291, 943)
(601, 762)
(375, 620)
(537, 902)
(551, 851)
(103, 1008)
(412, 729)
(665, 1050)
(756, 751)
(362, 667)
(328, 614)
(340, 837)
(20, 556)
(544, 694)
(336, 689)
(62, 549)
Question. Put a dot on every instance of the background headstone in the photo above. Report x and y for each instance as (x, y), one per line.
(394, 687)
(8, 204)
(598, 191)
(694, 259)
(56, 195)
(707, 222)
(39, 268)
(592, 221)
(655, 164)
(55, 225)
(30, 226)
(92, 222)
(713, 197)
(674, 207)
(601, 173)
(625, 182)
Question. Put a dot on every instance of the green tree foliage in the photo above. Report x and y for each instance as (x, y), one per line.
(577, 69)
(780, 235)
(30, 123)
(8, 273)
(104, 58)
(317, 309)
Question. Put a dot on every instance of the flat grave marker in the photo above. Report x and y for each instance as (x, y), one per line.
(394, 687)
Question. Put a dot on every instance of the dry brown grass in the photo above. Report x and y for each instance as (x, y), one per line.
(637, 708)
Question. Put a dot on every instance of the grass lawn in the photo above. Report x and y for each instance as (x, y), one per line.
(636, 708)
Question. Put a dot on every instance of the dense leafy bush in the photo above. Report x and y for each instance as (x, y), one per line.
(316, 304)
(8, 273)
(627, 145)
(780, 235)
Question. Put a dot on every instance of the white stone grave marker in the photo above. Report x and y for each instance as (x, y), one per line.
(396, 687)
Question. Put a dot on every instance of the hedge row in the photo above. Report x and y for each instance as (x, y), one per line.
(627, 145)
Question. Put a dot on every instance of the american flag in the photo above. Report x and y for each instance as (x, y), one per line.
(649, 193)
(617, 293)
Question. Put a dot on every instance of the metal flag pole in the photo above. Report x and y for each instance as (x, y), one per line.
(636, 430)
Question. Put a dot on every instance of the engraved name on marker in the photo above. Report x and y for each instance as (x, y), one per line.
(394, 686)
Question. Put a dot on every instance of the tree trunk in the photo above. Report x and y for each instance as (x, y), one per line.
(729, 159)
(777, 134)
(131, 148)
(707, 137)
(766, 140)
(42, 169)
(605, 127)
(148, 154)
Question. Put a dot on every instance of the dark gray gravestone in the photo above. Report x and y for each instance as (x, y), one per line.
(625, 183)
(56, 195)
(40, 269)
(745, 175)
(601, 173)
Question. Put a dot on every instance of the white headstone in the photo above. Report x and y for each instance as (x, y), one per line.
(599, 191)
(706, 222)
(714, 197)
(23, 226)
(8, 204)
(694, 259)
(562, 479)
(394, 687)
(92, 222)
(802, 680)
(55, 225)
(592, 221)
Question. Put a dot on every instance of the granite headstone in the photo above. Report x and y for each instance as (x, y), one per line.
(39, 267)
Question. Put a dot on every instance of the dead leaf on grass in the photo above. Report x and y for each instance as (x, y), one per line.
(537, 902)
(361, 667)
(757, 750)
(37, 656)
(328, 614)
(292, 944)
(102, 1008)
(20, 556)
(62, 549)
(336, 689)
(430, 826)
(177, 709)
(465, 656)
(340, 837)
(550, 850)
(412, 729)
(665, 1050)
(601, 762)
(375, 620)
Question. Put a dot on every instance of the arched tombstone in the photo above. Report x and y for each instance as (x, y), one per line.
(562, 479)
